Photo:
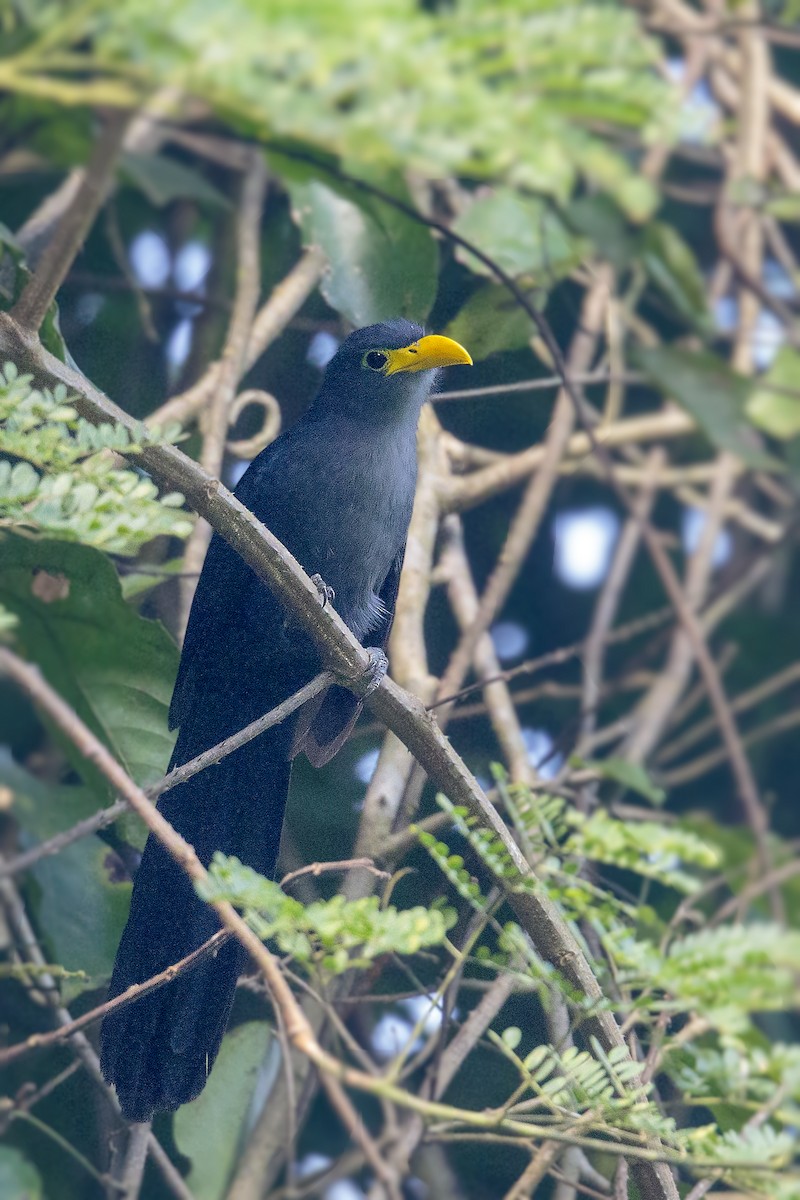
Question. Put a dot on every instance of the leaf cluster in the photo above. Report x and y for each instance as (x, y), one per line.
(333, 935)
(61, 476)
(451, 89)
(720, 978)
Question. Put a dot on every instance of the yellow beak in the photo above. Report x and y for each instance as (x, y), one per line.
(429, 352)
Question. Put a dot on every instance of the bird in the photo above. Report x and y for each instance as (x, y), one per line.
(337, 489)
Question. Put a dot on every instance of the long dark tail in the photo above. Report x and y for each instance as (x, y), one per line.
(158, 1050)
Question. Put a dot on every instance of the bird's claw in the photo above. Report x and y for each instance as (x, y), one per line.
(326, 594)
(371, 676)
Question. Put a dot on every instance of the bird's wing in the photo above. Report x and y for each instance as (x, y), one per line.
(238, 639)
(326, 722)
(388, 598)
(220, 586)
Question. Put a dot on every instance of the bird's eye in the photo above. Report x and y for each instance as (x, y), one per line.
(376, 360)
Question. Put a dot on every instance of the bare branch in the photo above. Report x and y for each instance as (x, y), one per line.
(535, 1172)
(38, 1041)
(78, 218)
(533, 506)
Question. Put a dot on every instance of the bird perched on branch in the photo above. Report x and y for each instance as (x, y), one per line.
(337, 489)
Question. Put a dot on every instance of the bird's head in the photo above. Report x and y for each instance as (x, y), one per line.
(387, 369)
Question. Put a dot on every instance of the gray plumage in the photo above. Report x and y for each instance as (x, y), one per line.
(337, 489)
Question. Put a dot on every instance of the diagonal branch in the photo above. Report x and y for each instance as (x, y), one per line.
(39, 1040)
(75, 224)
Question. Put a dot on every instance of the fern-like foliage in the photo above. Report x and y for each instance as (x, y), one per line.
(574, 1082)
(59, 475)
(725, 973)
(329, 935)
(745, 1072)
(605, 1093)
(654, 850)
(717, 979)
(431, 86)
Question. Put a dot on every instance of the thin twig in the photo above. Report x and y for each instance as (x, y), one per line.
(359, 1133)
(738, 903)
(610, 597)
(714, 758)
(533, 506)
(236, 740)
(655, 709)
(555, 658)
(534, 1173)
(38, 1041)
(18, 918)
(298, 1028)
(498, 700)
(739, 704)
(346, 864)
(541, 384)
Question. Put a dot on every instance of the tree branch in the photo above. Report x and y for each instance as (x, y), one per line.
(38, 1041)
(78, 218)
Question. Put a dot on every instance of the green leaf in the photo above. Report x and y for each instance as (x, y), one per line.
(777, 412)
(632, 776)
(714, 395)
(785, 208)
(491, 322)
(673, 269)
(163, 180)
(51, 336)
(535, 95)
(210, 1130)
(381, 263)
(19, 1179)
(522, 234)
(726, 972)
(653, 850)
(599, 219)
(512, 1036)
(138, 583)
(68, 484)
(115, 668)
(80, 906)
(335, 933)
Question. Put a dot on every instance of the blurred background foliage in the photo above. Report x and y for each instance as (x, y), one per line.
(634, 169)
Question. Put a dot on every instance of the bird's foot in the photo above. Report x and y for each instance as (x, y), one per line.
(370, 678)
(326, 594)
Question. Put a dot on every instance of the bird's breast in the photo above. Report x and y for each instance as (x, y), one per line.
(357, 522)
